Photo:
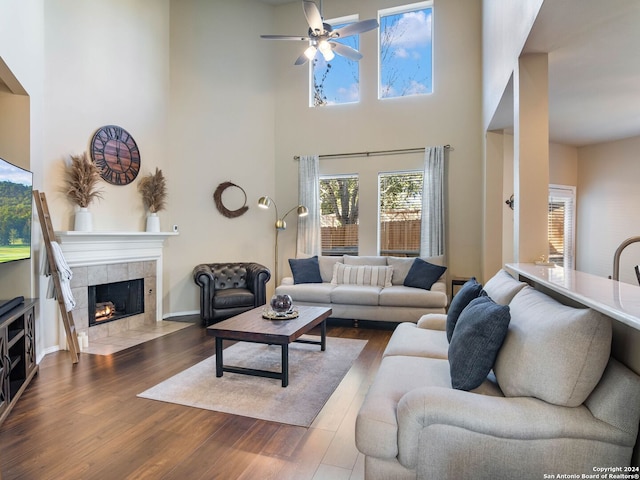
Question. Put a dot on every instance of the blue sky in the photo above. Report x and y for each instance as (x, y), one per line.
(406, 65)
(13, 174)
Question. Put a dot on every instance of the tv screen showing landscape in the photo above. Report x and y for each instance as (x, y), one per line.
(15, 212)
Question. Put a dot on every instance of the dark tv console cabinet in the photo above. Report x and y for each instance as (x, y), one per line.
(18, 349)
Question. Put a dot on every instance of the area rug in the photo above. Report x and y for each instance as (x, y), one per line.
(313, 376)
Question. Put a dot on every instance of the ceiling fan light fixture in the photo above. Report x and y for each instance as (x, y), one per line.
(328, 56)
(326, 50)
(310, 52)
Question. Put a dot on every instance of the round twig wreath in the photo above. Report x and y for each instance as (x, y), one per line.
(217, 197)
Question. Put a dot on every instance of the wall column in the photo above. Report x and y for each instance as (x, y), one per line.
(493, 202)
(531, 157)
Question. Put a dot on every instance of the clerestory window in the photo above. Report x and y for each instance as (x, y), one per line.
(336, 81)
(405, 47)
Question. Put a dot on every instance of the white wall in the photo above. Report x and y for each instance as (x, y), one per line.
(506, 26)
(608, 195)
(221, 129)
(451, 115)
(22, 54)
(111, 67)
(563, 164)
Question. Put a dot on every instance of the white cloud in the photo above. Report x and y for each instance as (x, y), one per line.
(415, 29)
(401, 53)
(349, 94)
(416, 88)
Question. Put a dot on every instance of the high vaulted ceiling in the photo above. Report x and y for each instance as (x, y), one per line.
(594, 68)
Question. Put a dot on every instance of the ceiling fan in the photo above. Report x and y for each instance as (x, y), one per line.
(322, 37)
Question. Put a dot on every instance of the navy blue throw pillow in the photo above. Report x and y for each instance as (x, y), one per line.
(478, 336)
(305, 270)
(423, 274)
(470, 290)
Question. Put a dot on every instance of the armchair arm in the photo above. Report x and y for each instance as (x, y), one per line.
(517, 418)
(433, 321)
(204, 278)
(257, 278)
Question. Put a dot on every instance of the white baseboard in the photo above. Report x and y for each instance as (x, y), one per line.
(168, 316)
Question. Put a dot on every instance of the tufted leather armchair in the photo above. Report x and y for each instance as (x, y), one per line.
(228, 289)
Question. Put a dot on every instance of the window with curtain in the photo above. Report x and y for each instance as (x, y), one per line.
(400, 213)
(561, 225)
(339, 214)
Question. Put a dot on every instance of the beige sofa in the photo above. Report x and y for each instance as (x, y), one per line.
(392, 303)
(555, 402)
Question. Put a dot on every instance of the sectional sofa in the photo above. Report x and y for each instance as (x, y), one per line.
(552, 403)
(377, 288)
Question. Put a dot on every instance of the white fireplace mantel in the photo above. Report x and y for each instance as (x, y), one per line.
(95, 248)
(102, 248)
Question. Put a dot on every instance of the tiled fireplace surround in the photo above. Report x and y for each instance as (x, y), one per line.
(105, 257)
(90, 275)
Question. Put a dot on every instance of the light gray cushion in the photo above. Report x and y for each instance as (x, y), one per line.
(616, 399)
(502, 287)
(401, 266)
(433, 321)
(370, 260)
(400, 296)
(307, 292)
(408, 339)
(326, 263)
(552, 351)
(355, 295)
(362, 275)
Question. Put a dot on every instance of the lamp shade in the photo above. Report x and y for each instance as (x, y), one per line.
(264, 202)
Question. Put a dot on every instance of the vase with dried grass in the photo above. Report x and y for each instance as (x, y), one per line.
(82, 178)
(153, 188)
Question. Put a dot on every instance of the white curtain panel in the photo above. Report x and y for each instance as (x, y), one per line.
(309, 237)
(432, 235)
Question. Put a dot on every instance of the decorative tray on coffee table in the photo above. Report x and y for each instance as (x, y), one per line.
(271, 315)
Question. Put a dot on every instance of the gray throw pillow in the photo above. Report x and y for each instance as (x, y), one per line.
(470, 290)
(476, 340)
(423, 274)
(305, 270)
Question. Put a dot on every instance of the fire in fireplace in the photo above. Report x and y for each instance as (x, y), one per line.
(112, 301)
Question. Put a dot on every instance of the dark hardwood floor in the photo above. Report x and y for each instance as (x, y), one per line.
(84, 421)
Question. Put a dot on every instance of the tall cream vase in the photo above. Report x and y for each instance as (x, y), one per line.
(153, 222)
(83, 220)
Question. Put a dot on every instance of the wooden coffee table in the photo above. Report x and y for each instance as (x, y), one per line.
(251, 327)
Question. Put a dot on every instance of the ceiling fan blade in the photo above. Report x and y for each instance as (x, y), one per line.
(314, 19)
(285, 37)
(301, 60)
(356, 28)
(346, 51)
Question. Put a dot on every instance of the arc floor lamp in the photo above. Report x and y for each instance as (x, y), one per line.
(302, 211)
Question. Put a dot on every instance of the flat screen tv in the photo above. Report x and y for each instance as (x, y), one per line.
(16, 202)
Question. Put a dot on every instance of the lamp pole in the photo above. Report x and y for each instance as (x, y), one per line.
(266, 202)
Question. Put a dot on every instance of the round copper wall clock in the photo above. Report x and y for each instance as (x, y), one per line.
(116, 154)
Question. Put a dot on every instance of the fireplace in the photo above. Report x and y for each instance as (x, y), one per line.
(112, 301)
